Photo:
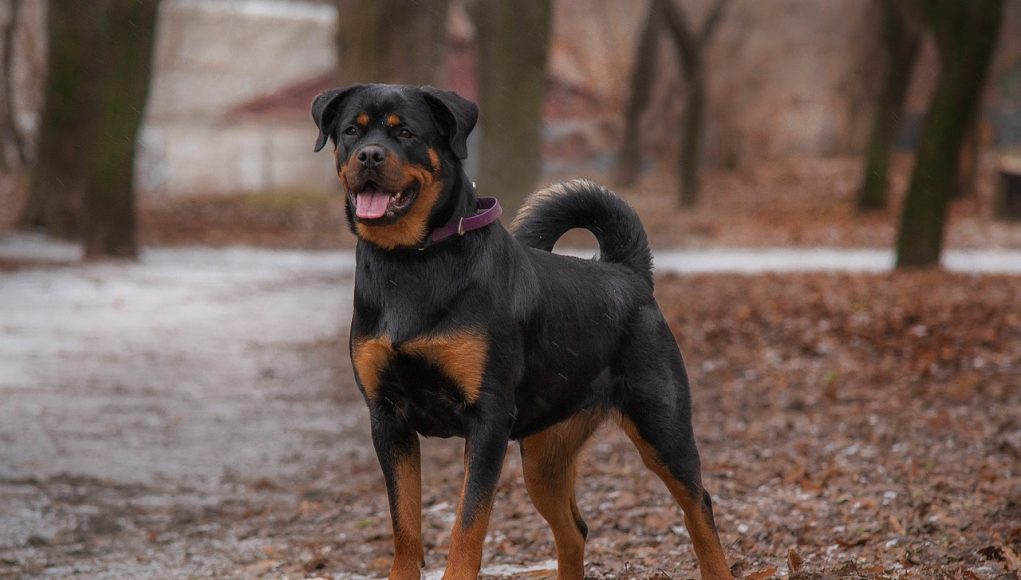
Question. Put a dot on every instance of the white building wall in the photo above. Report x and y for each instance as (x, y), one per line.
(211, 56)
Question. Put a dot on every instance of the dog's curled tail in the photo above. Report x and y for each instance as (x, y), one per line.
(550, 212)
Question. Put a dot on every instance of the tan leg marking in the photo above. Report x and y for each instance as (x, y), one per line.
(549, 460)
(409, 555)
(700, 524)
(370, 357)
(461, 355)
(465, 558)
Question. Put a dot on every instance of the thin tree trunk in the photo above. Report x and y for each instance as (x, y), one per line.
(57, 180)
(391, 41)
(11, 140)
(6, 36)
(902, 37)
(967, 174)
(629, 161)
(966, 34)
(108, 224)
(513, 43)
(690, 53)
(691, 145)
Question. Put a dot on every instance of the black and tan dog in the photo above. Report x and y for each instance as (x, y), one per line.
(465, 330)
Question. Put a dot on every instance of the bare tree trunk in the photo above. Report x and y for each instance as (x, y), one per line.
(902, 36)
(391, 41)
(971, 152)
(13, 151)
(690, 54)
(58, 177)
(629, 160)
(691, 145)
(966, 34)
(108, 224)
(513, 43)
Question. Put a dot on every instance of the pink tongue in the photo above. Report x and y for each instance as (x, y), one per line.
(371, 205)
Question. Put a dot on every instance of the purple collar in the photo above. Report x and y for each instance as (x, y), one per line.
(487, 211)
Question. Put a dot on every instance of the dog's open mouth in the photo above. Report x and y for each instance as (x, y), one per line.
(373, 202)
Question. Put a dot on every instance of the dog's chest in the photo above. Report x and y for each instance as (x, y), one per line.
(431, 377)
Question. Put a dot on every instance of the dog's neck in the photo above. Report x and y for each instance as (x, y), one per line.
(461, 201)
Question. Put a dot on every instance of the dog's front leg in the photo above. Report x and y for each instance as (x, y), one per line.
(484, 450)
(398, 453)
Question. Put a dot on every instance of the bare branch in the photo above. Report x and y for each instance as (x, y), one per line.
(712, 21)
(677, 25)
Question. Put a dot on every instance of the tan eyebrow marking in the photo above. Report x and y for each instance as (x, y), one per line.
(392, 120)
(362, 119)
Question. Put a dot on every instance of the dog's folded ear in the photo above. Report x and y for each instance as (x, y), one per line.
(456, 115)
(324, 111)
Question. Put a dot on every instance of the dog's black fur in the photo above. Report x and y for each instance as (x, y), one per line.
(491, 337)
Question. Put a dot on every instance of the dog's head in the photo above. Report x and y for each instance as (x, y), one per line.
(398, 149)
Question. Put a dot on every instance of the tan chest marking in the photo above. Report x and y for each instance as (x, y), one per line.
(460, 356)
(370, 357)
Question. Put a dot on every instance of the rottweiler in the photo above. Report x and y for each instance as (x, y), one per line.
(461, 328)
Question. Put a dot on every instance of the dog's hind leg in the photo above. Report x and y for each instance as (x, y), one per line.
(656, 415)
(549, 462)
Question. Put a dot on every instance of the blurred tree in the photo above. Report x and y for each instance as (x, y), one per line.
(513, 41)
(967, 175)
(965, 34)
(629, 161)
(96, 86)
(58, 177)
(13, 150)
(125, 49)
(902, 34)
(691, 49)
(391, 41)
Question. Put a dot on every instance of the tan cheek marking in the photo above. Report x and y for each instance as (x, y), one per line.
(370, 357)
(460, 355)
(410, 230)
(392, 120)
(434, 160)
(362, 119)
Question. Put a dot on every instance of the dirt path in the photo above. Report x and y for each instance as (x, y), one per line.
(139, 400)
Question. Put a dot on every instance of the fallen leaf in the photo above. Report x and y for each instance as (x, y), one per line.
(991, 552)
(762, 574)
(794, 560)
(261, 567)
(896, 526)
(1010, 557)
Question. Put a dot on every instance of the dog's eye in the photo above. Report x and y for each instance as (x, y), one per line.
(352, 130)
(405, 133)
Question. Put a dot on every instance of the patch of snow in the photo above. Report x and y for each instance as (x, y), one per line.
(290, 10)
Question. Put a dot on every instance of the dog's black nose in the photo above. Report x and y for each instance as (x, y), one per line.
(371, 156)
